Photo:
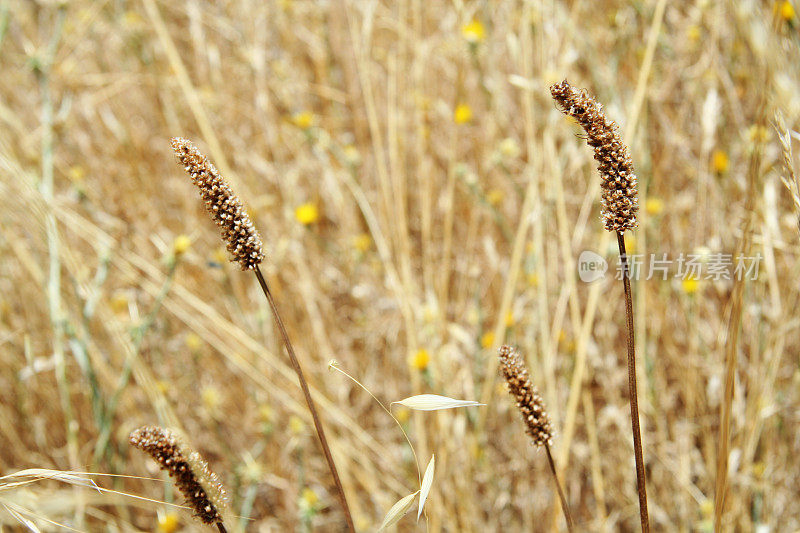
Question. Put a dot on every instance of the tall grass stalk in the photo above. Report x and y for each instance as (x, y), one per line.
(245, 246)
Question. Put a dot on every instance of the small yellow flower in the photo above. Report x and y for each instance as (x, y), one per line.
(719, 162)
(76, 174)
(510, 321)
(654, 206)
(463, 114)
(403, 414)
(690, 285)
(309, 497)
(707, 508)
(119, 302)
(351, 155)
(265, 413)
(420, 359)
(211, 398)
(362, 242)
(509, 147)
(167, 522)
(181, 244)
(786, 11)
(306, 214)
(494, 197)
(162, 386)
(487, 340)
(693, 33)
(533, 279)
(296, 425)
(473, 32)
(758, 469)
(193, 342)
(303, 119)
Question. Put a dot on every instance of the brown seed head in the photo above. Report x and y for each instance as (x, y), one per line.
(619, 193)
(529, 402)
(242, 238)
(199, 485)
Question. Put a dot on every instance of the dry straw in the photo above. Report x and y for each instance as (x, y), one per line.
(531, 406)
(620, 203)
(199, 485)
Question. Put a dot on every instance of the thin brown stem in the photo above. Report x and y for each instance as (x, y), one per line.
(564, 504)
(641, 485)
(221, 527)
(311, 406)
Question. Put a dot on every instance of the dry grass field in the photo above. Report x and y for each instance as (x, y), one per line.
(422, 201)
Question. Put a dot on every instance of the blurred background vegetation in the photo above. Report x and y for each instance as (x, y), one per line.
(422, 201)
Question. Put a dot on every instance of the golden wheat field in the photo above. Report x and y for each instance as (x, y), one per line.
(422, 200)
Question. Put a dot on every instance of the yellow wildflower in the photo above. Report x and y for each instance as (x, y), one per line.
(167, 523)
(265, 413)
(786, 11)
(420, 359)
(463, 114)
(309, 497)
(510, 319)
(211, 398)
(303, 119)
(402, 414)
(193, 342)
(162, 386)
(181, 244)
(707, 508)
(693, 33)
(362, 242)
(76, 174)
(487, 339)
(351, 155)
(719, 162)
(533, 279)
(494, 197)
(473, 32)
(654, 206)
(306, 214)
(296, 425)
(690, 285)
(119, 302)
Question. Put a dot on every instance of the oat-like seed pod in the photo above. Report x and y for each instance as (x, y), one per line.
(529, 402)
(199, 485)
(242, 238)
(619, 194)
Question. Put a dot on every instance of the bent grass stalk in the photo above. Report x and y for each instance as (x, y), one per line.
(244, 244)
(619, 199)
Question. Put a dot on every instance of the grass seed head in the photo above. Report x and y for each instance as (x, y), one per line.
(199, 485)
(619, 193)
(242, 238)
(529, 402)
